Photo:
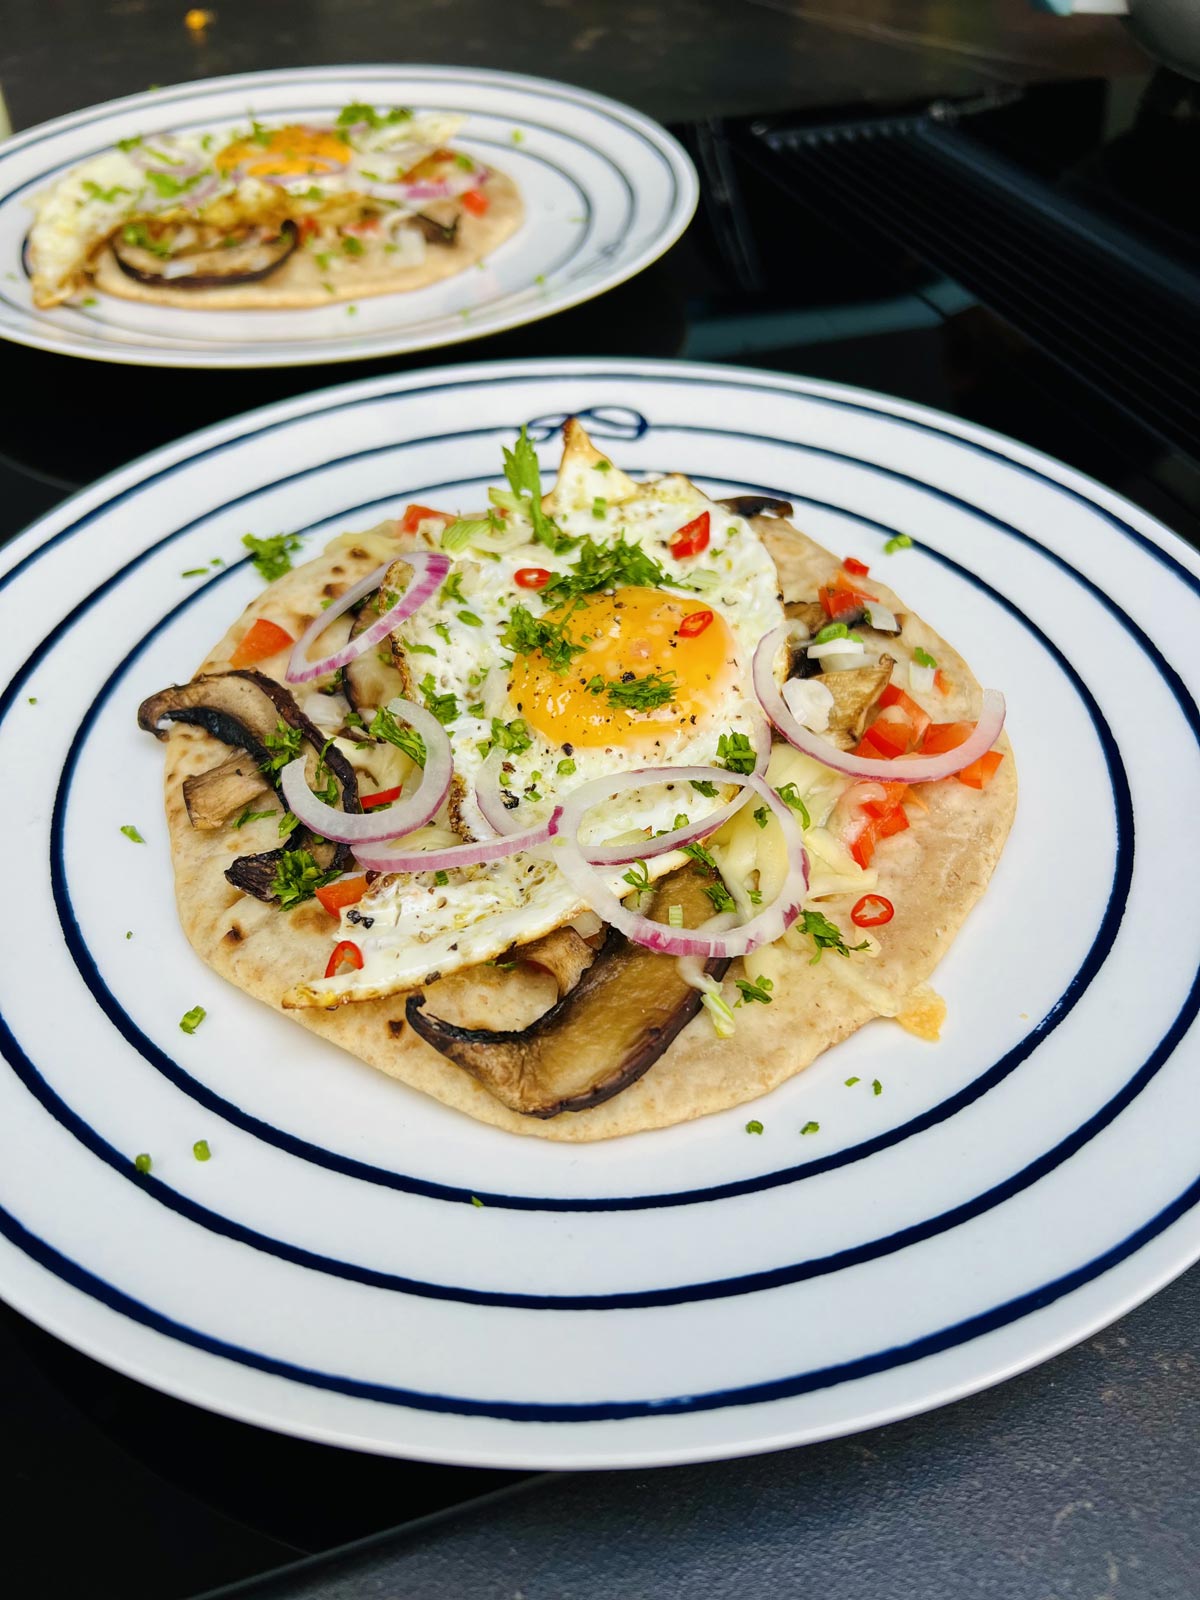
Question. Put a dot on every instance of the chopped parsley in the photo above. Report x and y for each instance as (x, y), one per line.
(385, 726)
(637, 876)
(760, 815)
(421, 650)
(272, 557)
(642, 694)
(720, 896)
(443, 706)
(195, 572)
(131, 832)
(790, 795)
(923, 658)
(850, 1082)
(192, 1019)
(283, 745)
(129, 144)
(106, 197)
(754, 1127)
(525, 480)
(605, 566)
(476, 1201)
(357, 111)
(702, 786)
(811, 1127)
(298, 877)
(352, 246)
(876, 1086)
(286, 823)
(826, 935)
(138, 235)
(700, 856)
(735, 753)
(900, 541)
(143, 1162)
(755, 991)
(442, 631)
(201, 1151)
(252, 816)
(452, 589)
(170, 188)
(471, 620)
(524, 633)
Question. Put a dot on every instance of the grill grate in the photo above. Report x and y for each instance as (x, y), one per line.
(1121, 315)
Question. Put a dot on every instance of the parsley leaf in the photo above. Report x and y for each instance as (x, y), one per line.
(790, 795)
(700, 856)
(105, 196)
(760, 815)
(702, 786)
(642, 694)
(720, 896)
(443, 706)
(170, 188)
(524, 633)
(298, 877)
(826, 935)
(272, 556)
(605, 566)
(284, 745)
(385, 726)
(252, 816)
(525, 480)
(637, 876)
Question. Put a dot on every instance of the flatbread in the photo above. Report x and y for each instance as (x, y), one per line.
(934, 873)
(300, 283)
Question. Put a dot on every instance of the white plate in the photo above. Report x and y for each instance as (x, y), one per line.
(606, 191)
(676, 1295)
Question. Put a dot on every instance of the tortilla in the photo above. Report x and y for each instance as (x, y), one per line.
(300, 283)
(933, 873)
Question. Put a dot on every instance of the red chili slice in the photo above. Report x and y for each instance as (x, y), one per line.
(694, 623)
(381, 797)
(531, 577)
(858, 568)
(872, 911)
(475, 202)
(692, 537)
(344, 950)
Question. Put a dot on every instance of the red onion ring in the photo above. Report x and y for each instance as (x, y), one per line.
(771, 922)
(903, 769)
(429, 568)
(458, 855)
(403, 816)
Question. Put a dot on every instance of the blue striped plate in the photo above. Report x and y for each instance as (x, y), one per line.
(676, 1295)
(606, 191)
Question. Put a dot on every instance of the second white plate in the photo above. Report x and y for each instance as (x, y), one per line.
(606, 191)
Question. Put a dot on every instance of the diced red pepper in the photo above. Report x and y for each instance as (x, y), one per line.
(692, 537)
(260, 640)
(943, 736)
(416, 515)
(694, 623)
(941, 682)
(381, 797)
(531, 577)
(872, 911)
(475, 202)
(892, 696)
(344, 950)
(894, 821)
(858, 568)
(981, 771)
(885, 739)
(893, 794)
(342, 892)
(839, 602)
(309, 226)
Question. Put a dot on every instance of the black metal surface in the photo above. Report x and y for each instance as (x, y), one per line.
(125, 1488)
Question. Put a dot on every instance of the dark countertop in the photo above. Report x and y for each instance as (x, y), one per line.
(1077, 1481)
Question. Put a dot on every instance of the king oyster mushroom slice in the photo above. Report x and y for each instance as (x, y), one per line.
(242, 708)
(608, 1030)
(209, 266)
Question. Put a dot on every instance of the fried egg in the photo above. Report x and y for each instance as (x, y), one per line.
(690, 638)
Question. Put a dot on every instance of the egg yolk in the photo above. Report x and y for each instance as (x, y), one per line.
(285, 153)
(627, 637)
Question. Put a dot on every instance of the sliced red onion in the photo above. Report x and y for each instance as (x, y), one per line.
(447, 188)
(202, 193)
(770, 923)
(458, 855)
(429, 568)
(906, 769)
(402, 816)
(327, 167)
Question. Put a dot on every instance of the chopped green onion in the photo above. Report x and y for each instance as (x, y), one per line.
(901, 541)
(850, 1082)
(923, 658)
(876, 1086)
(811, 1127)
(675, 916)
(143, 1162)
(201, 1151)
(462, 532)
(131, 832)
(754, 1127)
(723, 1020)
(476, 1201)
(192, 1019)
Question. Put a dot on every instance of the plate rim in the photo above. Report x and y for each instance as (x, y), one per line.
(678, 219)
(264, 420)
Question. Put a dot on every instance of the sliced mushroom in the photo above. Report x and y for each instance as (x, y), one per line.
(563, 954)
(368, 681)
(854, 692)
(241, 708)
(435, 230)
(601, 1036)
(210, 263)
(212, 797)
(756, 505)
